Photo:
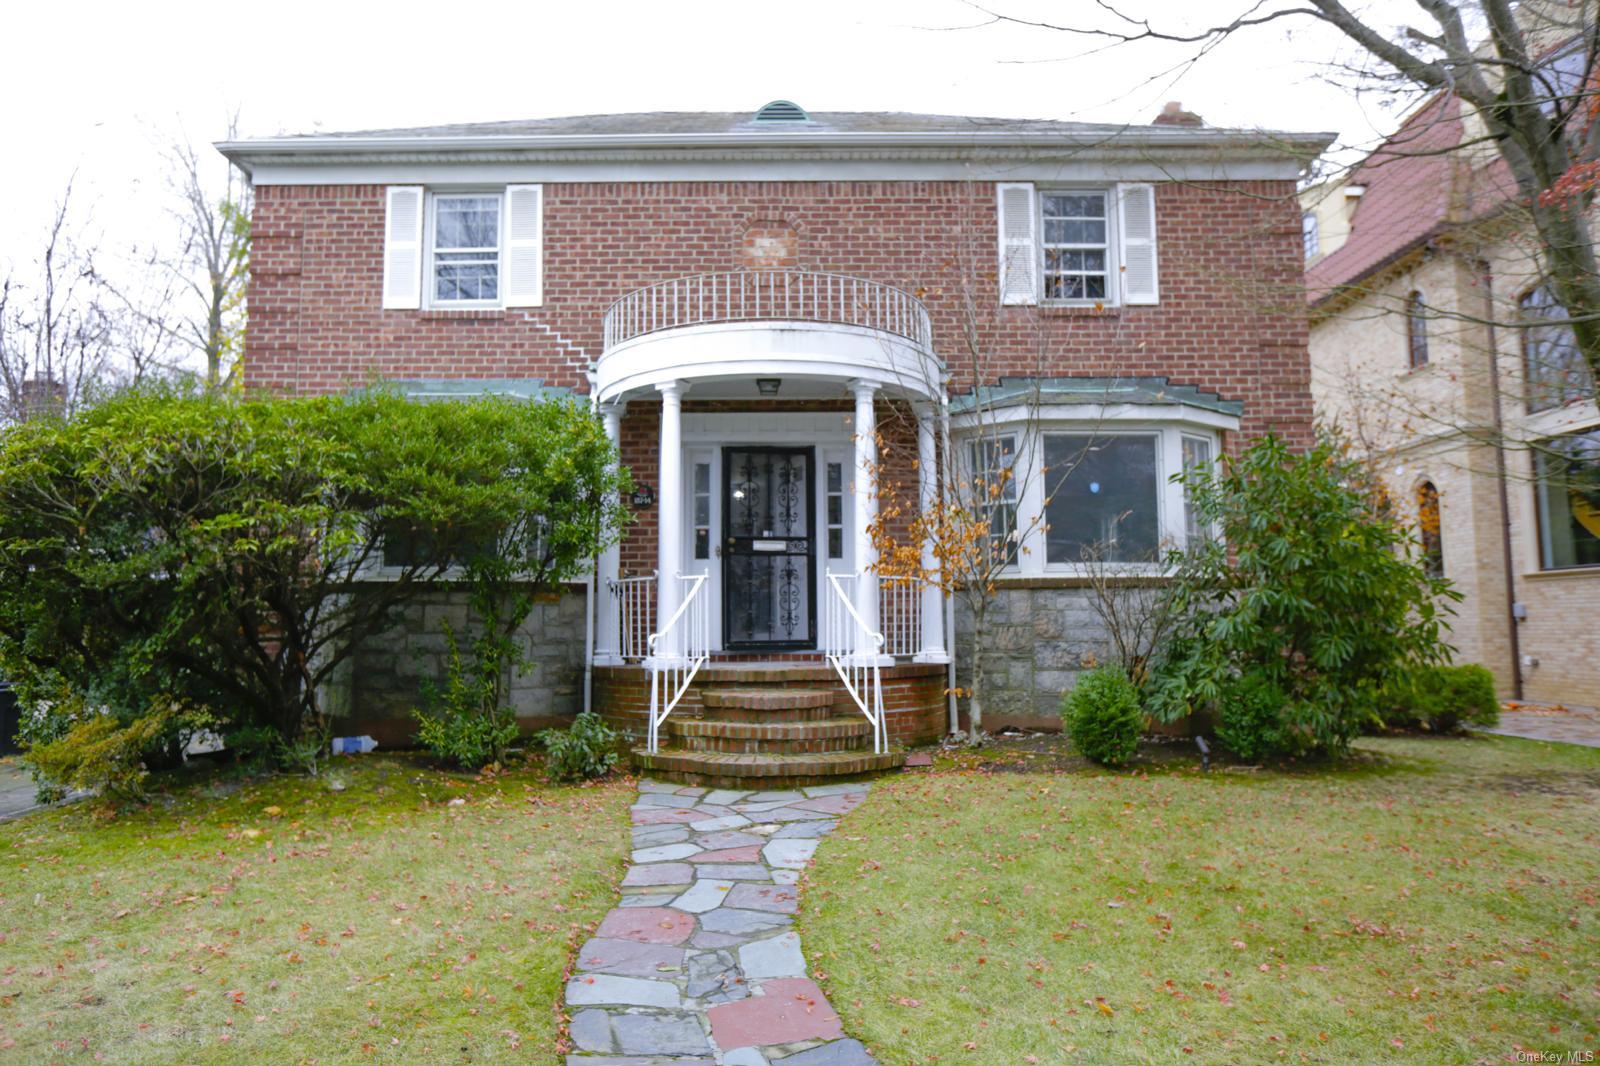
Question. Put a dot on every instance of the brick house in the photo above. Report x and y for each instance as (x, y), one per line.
(780, 315)
(1436, 344)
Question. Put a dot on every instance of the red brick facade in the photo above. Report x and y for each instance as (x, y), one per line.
(1229, 319)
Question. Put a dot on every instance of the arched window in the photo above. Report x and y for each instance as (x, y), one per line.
(1416, 330)
(1430, 529)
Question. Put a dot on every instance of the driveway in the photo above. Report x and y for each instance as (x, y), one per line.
(1564, 725)
(16, 789)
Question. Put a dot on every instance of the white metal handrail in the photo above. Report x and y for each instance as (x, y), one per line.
(753, 295)
(677, 651)
(853, 650)
(900, 614)
(636, 613)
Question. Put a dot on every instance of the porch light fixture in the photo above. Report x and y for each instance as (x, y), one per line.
(769, 386)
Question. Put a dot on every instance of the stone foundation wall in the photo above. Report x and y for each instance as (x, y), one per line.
(384, 679)
(1039, 636)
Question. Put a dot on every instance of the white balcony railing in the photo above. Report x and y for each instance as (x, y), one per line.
(754, 295)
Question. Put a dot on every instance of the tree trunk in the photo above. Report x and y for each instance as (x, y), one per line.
(975, 699)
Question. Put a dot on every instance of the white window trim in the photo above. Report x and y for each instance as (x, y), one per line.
(1029, 424)
(1113, 296)
(429, 301)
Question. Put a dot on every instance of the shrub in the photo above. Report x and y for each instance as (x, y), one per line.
(1102, 714)
(219, 550)
(1441, 698)
(1313, 590)
(101, 755)
(587, 749)
(464, 721)
(1255, 720)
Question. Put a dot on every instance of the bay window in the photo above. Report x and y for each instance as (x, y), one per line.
(1064, 492)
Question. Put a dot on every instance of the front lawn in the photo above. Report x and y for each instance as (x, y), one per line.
(1436, 900)
(415, 916)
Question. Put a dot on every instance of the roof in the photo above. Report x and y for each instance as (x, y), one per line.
(694, 136)
(680, 123)
(1151, 391)
(1417, 186)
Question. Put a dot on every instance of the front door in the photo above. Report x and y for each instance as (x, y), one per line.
(769, 549)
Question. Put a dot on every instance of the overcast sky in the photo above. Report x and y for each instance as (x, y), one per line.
(91, 87)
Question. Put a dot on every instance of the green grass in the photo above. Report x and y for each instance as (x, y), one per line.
(415, 916)
(1434, 900)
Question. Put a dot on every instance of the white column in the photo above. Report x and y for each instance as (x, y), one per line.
(866, 501)
(669, 516)
(932, 650)
(609, 631)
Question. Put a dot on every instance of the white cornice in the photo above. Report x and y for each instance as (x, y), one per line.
(1154, 151)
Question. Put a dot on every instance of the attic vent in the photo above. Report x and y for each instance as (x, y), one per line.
(782, 111)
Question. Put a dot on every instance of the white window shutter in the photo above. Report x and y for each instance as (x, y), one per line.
(524, 254)
(1136, 223)
(1019, 246)
(402, 248)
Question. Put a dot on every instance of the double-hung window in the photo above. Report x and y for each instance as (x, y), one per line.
(993, 462)
(465, 249)
(1077, 245)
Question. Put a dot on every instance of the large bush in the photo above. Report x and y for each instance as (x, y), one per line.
(1441, 698)
(1103, 716)
(1311, 591)
(220, 553)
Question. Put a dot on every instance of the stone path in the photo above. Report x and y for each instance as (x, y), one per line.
(1564, 725)
(699, 964)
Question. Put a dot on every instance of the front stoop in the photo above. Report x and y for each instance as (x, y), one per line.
(765, 738)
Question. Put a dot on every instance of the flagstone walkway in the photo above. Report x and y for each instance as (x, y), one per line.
(699, 964)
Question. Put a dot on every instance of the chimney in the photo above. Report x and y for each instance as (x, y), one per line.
(41, 396)
(1173, 114)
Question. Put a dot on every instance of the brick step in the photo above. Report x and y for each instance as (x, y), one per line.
(774, 738)
(768, 705)
(713, 769)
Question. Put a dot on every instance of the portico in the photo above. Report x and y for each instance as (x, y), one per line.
(768, 387)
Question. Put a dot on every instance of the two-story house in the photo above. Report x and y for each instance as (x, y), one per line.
(777, 314)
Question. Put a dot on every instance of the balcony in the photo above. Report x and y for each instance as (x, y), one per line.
(812, 331)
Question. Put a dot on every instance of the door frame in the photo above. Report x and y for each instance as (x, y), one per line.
(706, 433)
(726, 536)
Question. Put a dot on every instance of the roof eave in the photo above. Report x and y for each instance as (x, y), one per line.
(1131, 139)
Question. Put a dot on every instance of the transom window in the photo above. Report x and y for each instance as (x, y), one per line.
(1076, 245)
(466, 249)
(1555, 368)
(1102, 497)
(1568, 490)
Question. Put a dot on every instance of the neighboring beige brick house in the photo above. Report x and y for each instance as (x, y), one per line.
(1427, 350)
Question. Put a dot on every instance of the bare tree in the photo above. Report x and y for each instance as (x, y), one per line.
(57, 327)
(1525, 73)
(211, 208)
